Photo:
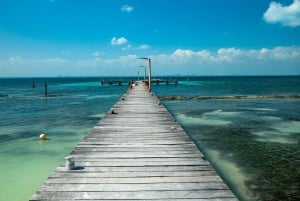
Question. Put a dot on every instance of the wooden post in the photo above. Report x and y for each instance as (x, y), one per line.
(46, 89)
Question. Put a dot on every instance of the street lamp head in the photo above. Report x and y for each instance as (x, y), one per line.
(144, 58)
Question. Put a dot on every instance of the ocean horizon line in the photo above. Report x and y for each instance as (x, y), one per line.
(133, 76)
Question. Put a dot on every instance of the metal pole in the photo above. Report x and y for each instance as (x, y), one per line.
(144, 72)
(149, 74)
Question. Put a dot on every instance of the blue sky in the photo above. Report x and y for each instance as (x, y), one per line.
(186, 37)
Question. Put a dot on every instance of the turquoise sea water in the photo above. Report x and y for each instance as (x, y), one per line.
(77, 105)
(253, 143)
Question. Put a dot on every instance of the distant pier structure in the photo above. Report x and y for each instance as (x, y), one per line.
(113, 82)
(163, 81)
(128, 81)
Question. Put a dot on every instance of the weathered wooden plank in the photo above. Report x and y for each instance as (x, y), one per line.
(145, 141)
(132, 180)
(161, 150)
(88, 174)
(137, 195)
(132, 155)
(137, 163)
(140, 144)
(135, 187)
(187, 145)
(143, 169)
(135, 136)
(167, 199)
(145, 131)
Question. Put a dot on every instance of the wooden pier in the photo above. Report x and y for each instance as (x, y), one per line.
(114, 82)
(124, 82)
(162, 81)
(136, 152)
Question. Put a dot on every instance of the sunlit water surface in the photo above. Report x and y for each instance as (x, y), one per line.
(252, 143)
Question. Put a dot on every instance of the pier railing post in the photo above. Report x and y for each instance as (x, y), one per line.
(70, 164)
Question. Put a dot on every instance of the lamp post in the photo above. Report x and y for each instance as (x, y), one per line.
(149, 61)
(144, 72)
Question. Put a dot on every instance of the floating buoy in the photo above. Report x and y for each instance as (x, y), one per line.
(42, 136)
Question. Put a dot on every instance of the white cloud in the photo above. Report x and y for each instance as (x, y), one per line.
(284, 15)
(97, 53)
(181, 56)
(284, 53)
(118, 41)
(52, 61)
(127, 8)
(222, 55)
(143, 47)
(17, 66)
(15, 59)
(234, 55)
(127, 48)
(95, 62)
(225, 61)
(229, 61)
(228, 55)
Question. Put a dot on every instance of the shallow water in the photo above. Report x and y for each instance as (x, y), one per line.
(25, 160)
(256, 152)
(252, 143)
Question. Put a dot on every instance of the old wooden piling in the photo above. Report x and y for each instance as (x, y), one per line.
(46, 89)
(136, 152)
(113, 82)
